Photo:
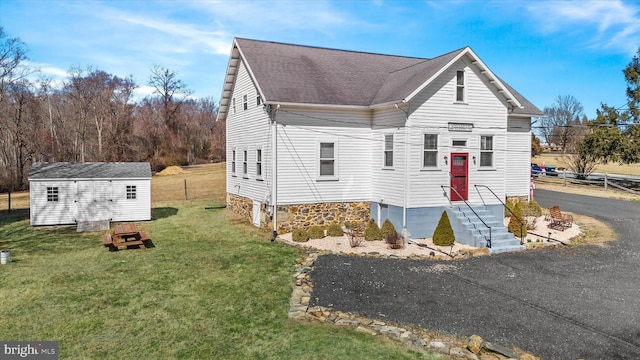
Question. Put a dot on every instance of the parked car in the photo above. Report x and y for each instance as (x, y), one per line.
(550, 170)
(535, 170)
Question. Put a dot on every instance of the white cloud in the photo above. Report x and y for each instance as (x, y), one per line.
(615, 24)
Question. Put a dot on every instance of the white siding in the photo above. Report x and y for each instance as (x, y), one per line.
(248, 130)
(518, 156)
(129, 209)
(61, 212)
(387, 185)
(432, 110)
(298, 155)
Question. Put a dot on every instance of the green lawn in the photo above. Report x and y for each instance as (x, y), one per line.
(212, 288)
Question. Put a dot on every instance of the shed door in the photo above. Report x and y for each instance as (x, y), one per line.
(94, 200)
(459, 177)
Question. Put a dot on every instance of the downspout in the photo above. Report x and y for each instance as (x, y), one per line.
(406, 169)
(274, 169)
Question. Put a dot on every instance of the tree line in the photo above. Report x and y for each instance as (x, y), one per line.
(613, 136)
(94, 116)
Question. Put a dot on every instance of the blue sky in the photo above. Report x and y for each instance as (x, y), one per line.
(542, 48)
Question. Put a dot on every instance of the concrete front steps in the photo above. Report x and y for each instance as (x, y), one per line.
(471, 231)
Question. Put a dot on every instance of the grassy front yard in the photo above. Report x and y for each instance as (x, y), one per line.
(212, 288)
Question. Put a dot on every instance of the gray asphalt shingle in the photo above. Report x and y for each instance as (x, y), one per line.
(89, 170)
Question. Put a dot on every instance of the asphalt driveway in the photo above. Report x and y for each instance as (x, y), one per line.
(560, 303)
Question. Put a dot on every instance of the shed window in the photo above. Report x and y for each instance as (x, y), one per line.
(460, 86)
(486, 151)
(388, 150)
(131, 192)
(52, 193)
(430, 152)
(245, 102)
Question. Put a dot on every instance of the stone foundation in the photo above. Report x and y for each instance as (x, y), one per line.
(303, 215)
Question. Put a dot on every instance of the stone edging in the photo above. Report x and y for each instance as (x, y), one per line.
(417, 338)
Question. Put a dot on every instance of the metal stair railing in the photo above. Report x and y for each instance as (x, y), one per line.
(470, 208)
(505, 206)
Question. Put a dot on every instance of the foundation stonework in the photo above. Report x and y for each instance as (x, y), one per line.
(303, 215)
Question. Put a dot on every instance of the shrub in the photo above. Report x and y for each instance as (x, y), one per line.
(514, 225)
(335, 230)
(532, 209)
(300, 235)
(372, 232)
(511, 203)
(388, 229)
(394, 240)
(443, 234)
(316, 232)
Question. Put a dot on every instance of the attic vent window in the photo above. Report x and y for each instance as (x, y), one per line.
(52, 194)
(460, 86)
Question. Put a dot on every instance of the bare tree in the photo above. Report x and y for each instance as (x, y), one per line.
(560, 123)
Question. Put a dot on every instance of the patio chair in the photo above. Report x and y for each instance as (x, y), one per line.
(558, 220)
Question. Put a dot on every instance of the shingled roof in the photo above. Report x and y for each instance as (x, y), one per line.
(89, 170)
(295, 74)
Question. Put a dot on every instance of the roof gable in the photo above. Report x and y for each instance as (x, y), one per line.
(89, 170)
(294, 74)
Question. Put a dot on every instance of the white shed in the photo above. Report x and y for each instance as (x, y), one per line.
(70, 193)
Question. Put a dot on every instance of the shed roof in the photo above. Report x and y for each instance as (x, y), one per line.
(296, 74)
(89, 170)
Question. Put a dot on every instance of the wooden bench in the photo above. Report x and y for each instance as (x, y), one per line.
(558, 220)
(107, 240)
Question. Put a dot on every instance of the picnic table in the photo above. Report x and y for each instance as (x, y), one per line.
(124, 235)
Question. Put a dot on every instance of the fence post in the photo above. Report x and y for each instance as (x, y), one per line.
(564, 181)
(185, 190)
(9, 202)
(605, 181)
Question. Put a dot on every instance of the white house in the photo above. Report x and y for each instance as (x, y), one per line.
(69, 193)
(326, 135)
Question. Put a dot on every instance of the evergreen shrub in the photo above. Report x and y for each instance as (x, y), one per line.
(335, 230)
(316, 232)
(388, 229)
(443, 234)
(300, 235)
(372, 232)
(514, 225)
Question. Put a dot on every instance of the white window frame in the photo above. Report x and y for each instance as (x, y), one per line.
(132, 192)
(245, 102)
(53, 194)
(320, 159)
(461, 88)
(387, 150)
(259, 162)
(245, 163)
(491, 152)
(233, 162)
(258, 100)
(425, 150)
(233, 102)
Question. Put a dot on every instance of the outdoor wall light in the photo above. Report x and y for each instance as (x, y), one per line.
(474, 159)
(446, 160)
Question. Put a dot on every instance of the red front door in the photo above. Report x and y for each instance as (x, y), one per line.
(459, 176)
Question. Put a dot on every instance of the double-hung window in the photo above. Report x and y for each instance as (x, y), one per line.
(388, 151)
(233, 102)
(131, 192)
(486, 151)
(259, 164)
(52, 194)
(245, 102)
(327, 160)
(245, 164)
(258, 100)
(430, 151)
(460, 86)
(233, 163)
